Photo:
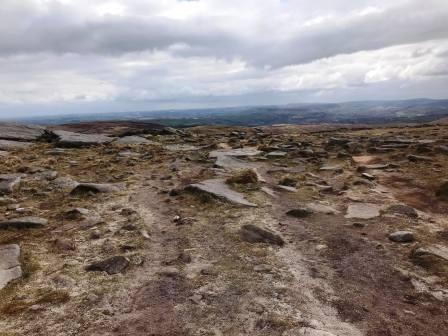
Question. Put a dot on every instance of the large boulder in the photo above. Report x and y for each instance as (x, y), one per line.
(9, 264)
(10, 145)
(11, 131)
(72, 139)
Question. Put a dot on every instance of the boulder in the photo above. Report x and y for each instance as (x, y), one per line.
(9, 183)
(23, 222)
(10, 268)
(113, 265)
(402, 209)
(72, 139)
(11, 131)
(402, 237)
(254, 234)
(300, 212)
(83, 188)
(219, 189)
(10, 145)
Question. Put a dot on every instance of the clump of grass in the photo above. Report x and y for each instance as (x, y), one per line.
(44, 296)
(245, 176)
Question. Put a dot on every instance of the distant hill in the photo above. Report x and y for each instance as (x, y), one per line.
(364, 112)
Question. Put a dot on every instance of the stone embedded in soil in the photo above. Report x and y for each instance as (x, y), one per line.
(254, 234)
(276, 154)
(65, 184)
(417, 158)
(10, 268)
(238, 152)
(431, 256)
(286, 188)
(300, 212)
(72, 139)
(76, 214)
(3, 153)
(402, 237)
(83, 188)
(9, 183)
(363, 210)
(219, 189)
(113, 265)
(322, 208)
(402, 209)
(23, 222)
(333, 168)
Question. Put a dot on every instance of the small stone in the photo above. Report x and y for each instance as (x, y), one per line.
(113, 265)
(23, 222)
(254, 234)
(300, 212)
(402, 237)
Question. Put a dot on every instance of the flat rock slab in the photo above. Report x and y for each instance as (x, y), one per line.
(23, 222)
(254, 234)
(72, 139)
(133, 140)
(11, 131)
(96, 188)
(10, 145)
(228, 162)
(363, 210)
(322, 208)
(181, 148)
(437, 251)
(9, 183)
(10, 268)
(219, 189)
(113, 265)
(242, 152)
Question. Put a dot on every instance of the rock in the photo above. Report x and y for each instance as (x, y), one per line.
(322, 208)
(72, 139)
(337, 142)
(368, 176)
(432, 257)
(239, 152)
(417, 158)
(403, 210)
(333, 168)
(96, 188)
(363, 210)
(56, 151)
(181, 148)
(314, 332)
(132, 140)
(65, 184)
(7, 201)
(300, 212)
(364, 159)
(113, 265)
(245, 176)
(11, 131)
(219, 189)
(10, 268)
(64, 244)
(254, 234)
(268, 191)
(402, 237)
(286, 188)
(276, 154)
(77, 214)
(23, 222)
(3, 153)
(9, 145)
(442, 149)
(378, 166)
(442, 191)
(229, 162)
(9, 183)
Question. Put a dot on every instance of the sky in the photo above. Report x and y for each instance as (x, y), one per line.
(84, 56)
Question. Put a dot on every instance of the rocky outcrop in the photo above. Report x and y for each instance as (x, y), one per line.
(10, 131)
(72, 139)
(10, 145)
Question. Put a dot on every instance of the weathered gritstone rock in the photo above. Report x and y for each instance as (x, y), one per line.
(10, 131)
(322, 208)
(96, 188)
(181, 148)
(239, 152)
(10, 268)
(9, 183)
(3, 153)
(276, 154)
(335, 168)
(65, 184)
(10, 145)
(133, 140)
(23, 222)
(228, 162)
(402, 237)
(363, 210)
(254, 234)
(113, 265)
(219, 189)
(72, 139)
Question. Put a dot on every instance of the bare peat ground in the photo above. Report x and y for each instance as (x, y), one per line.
(191, 271)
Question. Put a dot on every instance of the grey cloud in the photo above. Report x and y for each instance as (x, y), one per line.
(56, 31)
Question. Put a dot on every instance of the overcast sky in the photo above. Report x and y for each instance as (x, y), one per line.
(74, 56)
